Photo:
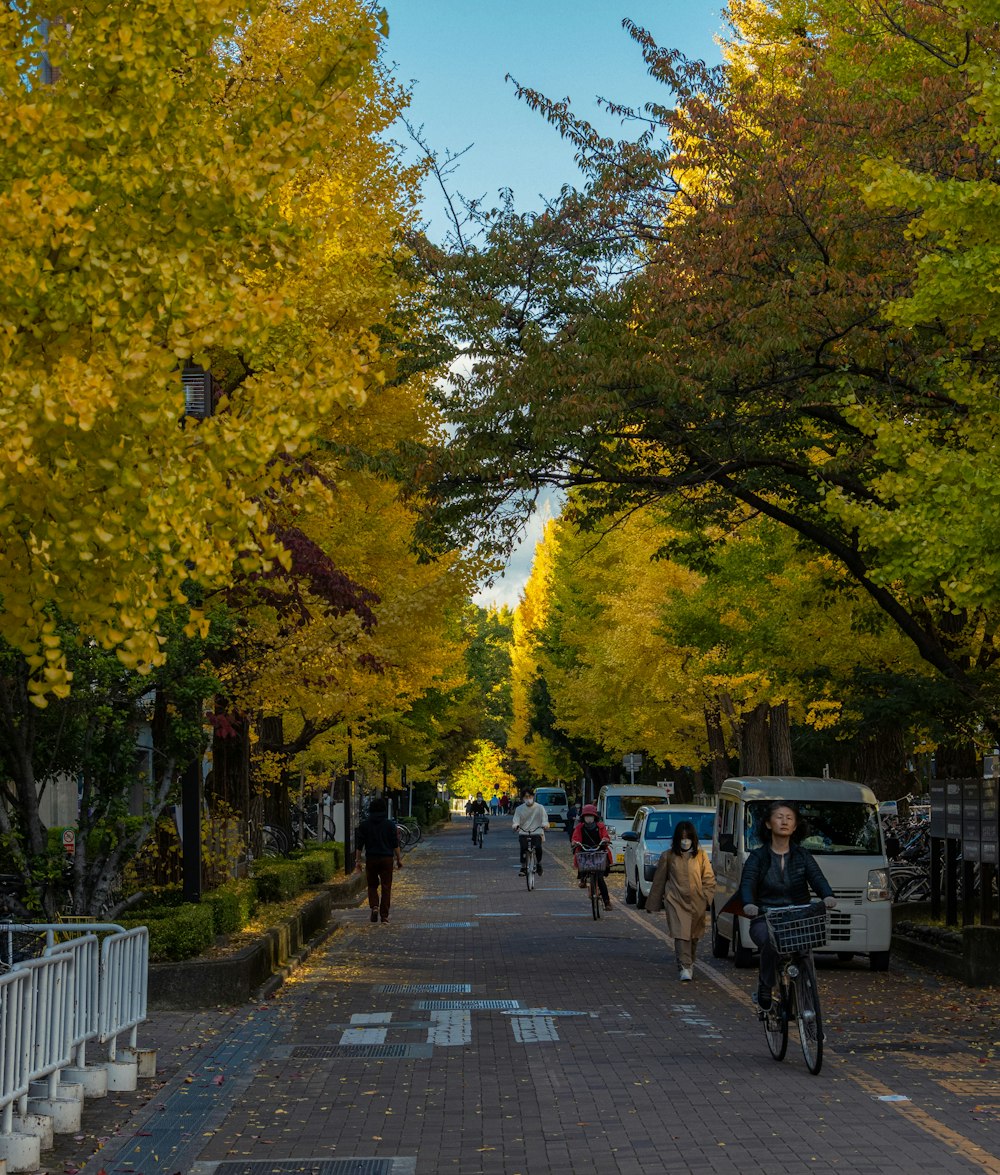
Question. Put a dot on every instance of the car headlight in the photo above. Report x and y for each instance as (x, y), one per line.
(650, 860)
(878, 885)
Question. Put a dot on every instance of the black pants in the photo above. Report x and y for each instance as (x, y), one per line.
(523, 838)
(486, 827)
(768, 955)
(602, 885)
(379, 874)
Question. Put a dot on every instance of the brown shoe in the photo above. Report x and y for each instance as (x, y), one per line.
(582, 883)
(607, 904)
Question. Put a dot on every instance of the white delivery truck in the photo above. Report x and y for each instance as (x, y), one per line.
(844, 835)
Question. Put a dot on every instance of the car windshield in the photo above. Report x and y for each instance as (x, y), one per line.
(625, 807)
(661, 825)
(834, 827)
(552, 797)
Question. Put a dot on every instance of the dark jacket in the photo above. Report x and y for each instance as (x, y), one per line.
(378, 836)
(760, 885)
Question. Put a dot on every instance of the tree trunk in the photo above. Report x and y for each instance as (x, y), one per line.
(755, 743)
(718, 760)
(881, 763)
(277, 809)
(779, 729)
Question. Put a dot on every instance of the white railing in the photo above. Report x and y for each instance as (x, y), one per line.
(85, 951)
(122, 986)
(50, 1027)
(15, 1018)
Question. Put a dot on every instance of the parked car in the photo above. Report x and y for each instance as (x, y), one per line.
(553, 800)
(651, 834)
(617, 805)
(846, 838)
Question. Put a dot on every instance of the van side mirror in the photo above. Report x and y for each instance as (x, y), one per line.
(630, 835)
(726, 843)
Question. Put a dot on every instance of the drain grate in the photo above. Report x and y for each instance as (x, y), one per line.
(313, 1167)
(421, 988)
(330, 1052)
(465, 1005)
(438, 925)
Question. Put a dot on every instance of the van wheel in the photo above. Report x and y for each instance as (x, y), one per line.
(742, 956)
(720, 945)
(879, 960)
(630, 892)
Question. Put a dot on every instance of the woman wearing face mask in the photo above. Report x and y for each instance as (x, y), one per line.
(591, 833)
(684, 885)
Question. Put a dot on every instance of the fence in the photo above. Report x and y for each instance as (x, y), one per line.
(123, 986)
(15, 1050)
(85, 952)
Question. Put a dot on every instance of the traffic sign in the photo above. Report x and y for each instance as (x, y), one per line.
(69, 840)
(667, 785)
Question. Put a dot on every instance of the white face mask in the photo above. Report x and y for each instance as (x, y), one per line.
(685, 845)
(588, 819)
(529, 802)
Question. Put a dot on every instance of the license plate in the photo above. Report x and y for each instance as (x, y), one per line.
(619, 858)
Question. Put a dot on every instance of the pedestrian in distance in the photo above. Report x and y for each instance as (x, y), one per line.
(530, 819)
(378, 838)
(592, 833)
(495, 804)
(683, 885)
(779, 872)
(572, 812)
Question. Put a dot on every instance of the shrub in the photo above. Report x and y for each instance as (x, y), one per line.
(176, 933)
(279, 880)
(232, 905)
(319, 865)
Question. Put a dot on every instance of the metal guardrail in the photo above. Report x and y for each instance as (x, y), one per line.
(85, 951)
(123, 986)
(50, 1026)
(15, 1068)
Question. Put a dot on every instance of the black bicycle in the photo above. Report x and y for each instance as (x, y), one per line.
(795, 931)
(479, 828)
(591, 864)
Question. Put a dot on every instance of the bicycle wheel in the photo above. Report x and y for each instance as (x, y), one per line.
(595, 897)
(273, 842)
(479, 836)
(807, 1014)
(776, 1025)
(529, 868)
(405, 838)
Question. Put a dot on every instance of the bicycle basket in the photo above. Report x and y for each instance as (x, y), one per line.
(796, 930)
(591, 860)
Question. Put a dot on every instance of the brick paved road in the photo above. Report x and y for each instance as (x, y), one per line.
(632, 1071)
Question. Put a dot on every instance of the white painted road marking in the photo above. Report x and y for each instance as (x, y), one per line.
(363, 1036)
(450, 1028)
(534, 1029)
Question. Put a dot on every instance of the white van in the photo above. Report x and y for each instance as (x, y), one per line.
(617, 806)
(553, 800)
(845, 837)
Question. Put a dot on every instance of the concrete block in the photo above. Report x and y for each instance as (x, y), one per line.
(65, 1112)
(92, 1079)
(37, 1125)
(19, 1152)
(145, 1060)
(123, 1076)
(982, 955)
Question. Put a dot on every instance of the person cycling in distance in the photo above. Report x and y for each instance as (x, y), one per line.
(530, 819)
(779, 872)
(479, 808)
(592, 833)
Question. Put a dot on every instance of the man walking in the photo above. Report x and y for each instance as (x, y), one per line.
(530, 819)
(378, 837)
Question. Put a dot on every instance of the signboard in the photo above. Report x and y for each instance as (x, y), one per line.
(69, 840)
(667, 785)
(991, 766)
(938, 821)
(632, 761)
(989, 817)
(953, 809)
(971, 789)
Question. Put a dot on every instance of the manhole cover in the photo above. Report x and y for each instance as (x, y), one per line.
(421, 988)
(329, 1052)
(465, 1005)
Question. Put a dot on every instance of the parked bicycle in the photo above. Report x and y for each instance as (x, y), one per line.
(795, 931)
(591, 864)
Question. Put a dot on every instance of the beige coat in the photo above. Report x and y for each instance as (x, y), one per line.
(684, 884)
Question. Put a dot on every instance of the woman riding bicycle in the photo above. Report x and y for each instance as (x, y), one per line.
(591, 833)
(778, 873)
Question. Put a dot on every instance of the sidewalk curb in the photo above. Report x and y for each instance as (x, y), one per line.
(260, 968)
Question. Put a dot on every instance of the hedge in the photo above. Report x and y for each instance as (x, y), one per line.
(177, 933)
(277, 881)
(232, 905)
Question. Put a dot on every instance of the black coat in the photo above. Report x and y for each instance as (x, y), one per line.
(760, 887)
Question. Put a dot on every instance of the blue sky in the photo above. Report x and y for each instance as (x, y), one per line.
(455, 55)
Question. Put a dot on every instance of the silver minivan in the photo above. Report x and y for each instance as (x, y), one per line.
(845, 837)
